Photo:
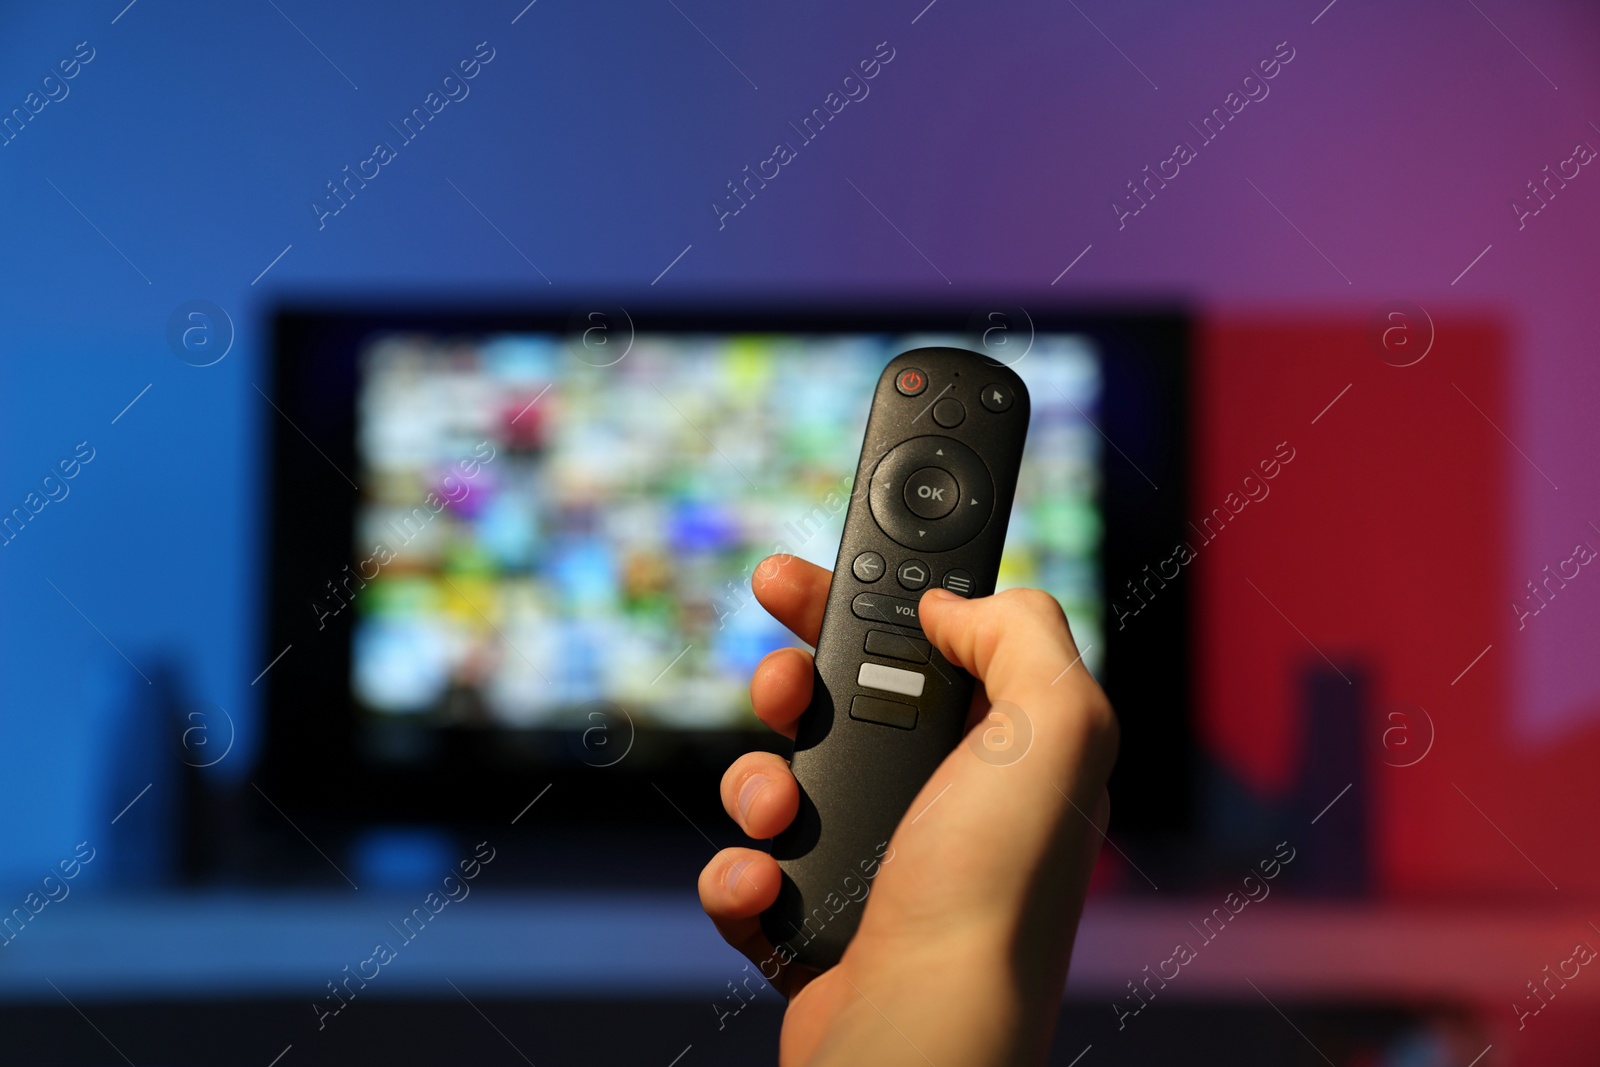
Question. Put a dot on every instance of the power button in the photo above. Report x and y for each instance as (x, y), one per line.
(911, 381)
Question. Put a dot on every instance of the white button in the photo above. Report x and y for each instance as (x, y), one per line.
(891, 679)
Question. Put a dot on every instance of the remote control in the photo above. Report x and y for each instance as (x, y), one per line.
(932, 497)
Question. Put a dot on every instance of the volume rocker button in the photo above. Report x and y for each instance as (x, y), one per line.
(875, 607)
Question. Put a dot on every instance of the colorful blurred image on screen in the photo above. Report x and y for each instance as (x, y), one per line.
(540, 534)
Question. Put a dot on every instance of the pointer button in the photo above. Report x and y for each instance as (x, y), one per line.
(997, 398)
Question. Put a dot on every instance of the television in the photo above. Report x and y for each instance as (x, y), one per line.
(512, 547)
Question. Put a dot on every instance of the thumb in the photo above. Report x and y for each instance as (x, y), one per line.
(1019, 645)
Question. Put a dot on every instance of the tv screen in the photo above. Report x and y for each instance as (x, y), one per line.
(537, 534)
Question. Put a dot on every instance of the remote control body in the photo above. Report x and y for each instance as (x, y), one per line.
(930, 504)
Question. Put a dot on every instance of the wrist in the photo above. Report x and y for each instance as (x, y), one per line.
(958, 999)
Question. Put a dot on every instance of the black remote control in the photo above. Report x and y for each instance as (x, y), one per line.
(932, 498)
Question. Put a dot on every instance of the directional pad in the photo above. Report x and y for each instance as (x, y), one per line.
(932, 494)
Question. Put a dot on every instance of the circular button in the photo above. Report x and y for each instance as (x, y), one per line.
(997, 397)
(949, 412)
(974, 506)
(913, 574)
(958, 582)
(911, 382)
(931, 493)
(868, 567)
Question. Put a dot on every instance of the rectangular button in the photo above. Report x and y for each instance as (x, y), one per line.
(897, 646)
(884, 712)
(876, 607)
(891, 679)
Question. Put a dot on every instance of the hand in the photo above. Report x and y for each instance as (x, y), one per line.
(964, 942)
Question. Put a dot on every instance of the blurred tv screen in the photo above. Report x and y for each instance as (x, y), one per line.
(537, 534)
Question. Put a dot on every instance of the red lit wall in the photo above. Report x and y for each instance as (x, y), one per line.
(1384, 541)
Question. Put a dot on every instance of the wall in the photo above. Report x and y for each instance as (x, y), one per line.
(185, 159)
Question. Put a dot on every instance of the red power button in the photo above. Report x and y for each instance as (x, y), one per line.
(910, 382)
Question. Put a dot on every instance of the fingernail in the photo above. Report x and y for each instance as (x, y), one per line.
(747, 793)
(941, 594)
(731, 879)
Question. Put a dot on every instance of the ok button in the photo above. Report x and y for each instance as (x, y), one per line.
(931, 493)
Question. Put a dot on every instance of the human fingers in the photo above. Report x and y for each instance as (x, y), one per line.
(760, 794)
(780, 688)
(794, 592)
(735, 888)
(1012, 640)
(1019, 645)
